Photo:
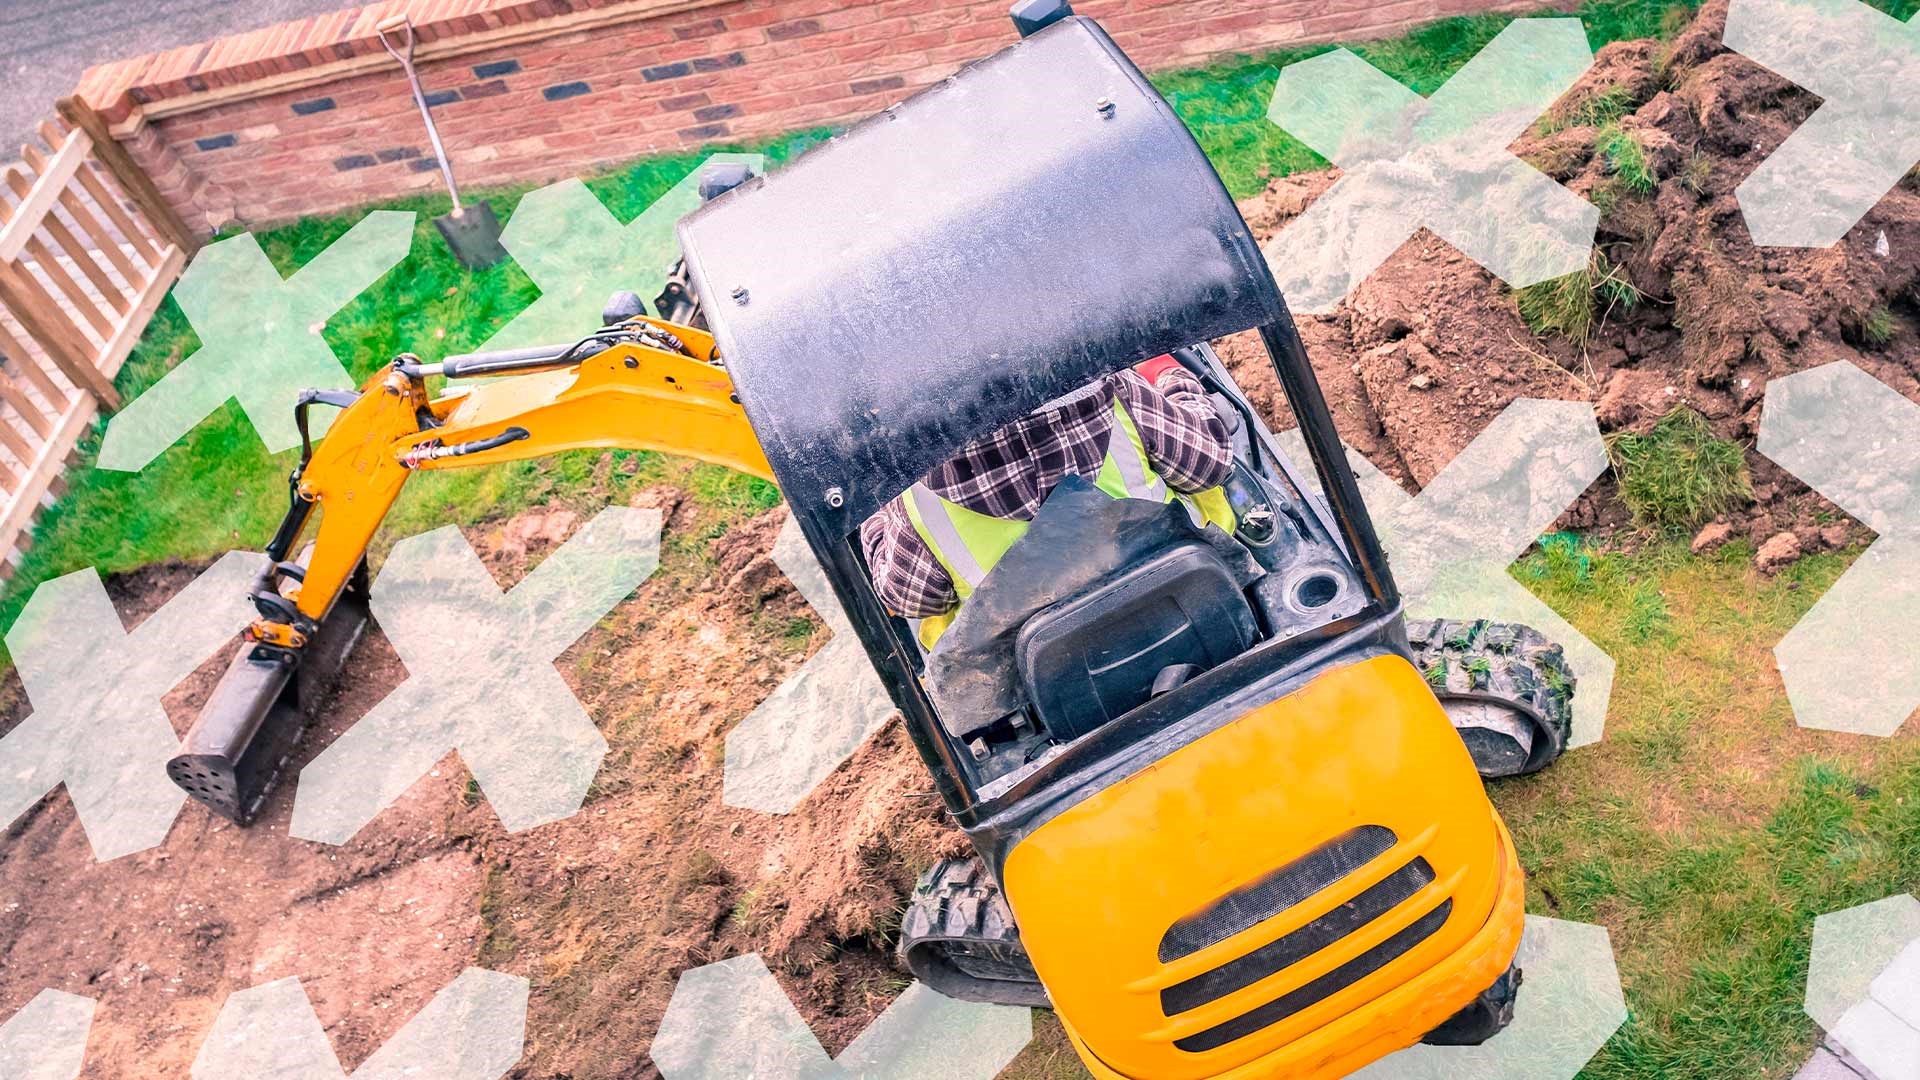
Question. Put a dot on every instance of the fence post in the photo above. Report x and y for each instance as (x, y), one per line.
(133, 179)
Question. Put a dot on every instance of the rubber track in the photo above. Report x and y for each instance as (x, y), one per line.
(1509, 661)
(958, 900)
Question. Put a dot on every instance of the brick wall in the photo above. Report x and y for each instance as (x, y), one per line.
(313, 116)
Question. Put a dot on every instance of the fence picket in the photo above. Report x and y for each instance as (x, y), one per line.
(22, 404)
(89, 223)
(69, 244)
(16, 349)
(81, 272)
(143, 246)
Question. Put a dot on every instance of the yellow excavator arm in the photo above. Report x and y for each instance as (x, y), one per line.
(644, 384)
(632, 395)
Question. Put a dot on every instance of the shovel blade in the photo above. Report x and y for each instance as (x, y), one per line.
(235, 751)
(473, 234)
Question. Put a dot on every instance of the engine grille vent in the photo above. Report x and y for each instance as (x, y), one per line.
(1321, 988)
(1294, 947)
(1278, 891)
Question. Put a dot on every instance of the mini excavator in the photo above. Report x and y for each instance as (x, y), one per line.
(1226, 801)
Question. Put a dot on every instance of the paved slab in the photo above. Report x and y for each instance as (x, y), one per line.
(44, 46)
(1832, 1063)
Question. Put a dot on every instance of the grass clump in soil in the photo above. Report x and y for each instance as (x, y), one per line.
(1626, 159)
(1879, 326)
(1679, 475)
(1595, 110)
(1575, 305)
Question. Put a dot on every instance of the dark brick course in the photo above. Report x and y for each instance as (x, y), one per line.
(874, 86)
(705, 28)
(798, 28)
(666, 71)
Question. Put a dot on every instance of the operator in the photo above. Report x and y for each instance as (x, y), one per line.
(1147, 432)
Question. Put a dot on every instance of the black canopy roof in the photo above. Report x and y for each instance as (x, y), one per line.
(1038, 220)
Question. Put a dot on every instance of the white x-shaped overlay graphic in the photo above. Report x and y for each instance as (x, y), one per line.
(480, 678)
(47, 1039)
(1440, 162)
(818, 716)
(731, 1019)
(1851, 664)
(1865, 65)
(1570, 1004)
(260, 340)
(1863, 987)
(473, 1029)
(1451, 546)
(567, 241)
(107, 738)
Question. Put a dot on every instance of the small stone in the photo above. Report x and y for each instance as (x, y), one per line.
(1421, 381)
(1777, 553)
(1836, 536)
(1712, 537)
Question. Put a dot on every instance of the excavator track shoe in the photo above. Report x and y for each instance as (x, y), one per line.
(958, 937)
(1507, 689)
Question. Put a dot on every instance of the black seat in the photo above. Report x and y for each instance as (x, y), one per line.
(1087, 660)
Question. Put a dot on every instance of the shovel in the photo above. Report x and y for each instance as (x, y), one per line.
(472, 232)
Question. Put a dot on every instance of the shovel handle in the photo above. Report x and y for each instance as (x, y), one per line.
(397, 23)
(402, 25)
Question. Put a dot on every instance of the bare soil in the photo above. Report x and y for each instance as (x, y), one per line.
(602, 912)
(1431, 347)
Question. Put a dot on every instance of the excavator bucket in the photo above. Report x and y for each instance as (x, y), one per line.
(249, 728)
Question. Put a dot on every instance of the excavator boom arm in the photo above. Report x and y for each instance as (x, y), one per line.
(657, 387)
(629, 396)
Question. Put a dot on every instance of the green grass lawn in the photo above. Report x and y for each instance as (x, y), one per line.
(1225, 104)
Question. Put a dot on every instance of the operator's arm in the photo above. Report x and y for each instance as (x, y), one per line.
(908, 579)
(1186, 441)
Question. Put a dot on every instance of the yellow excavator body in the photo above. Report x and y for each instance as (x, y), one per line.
(1314, 885)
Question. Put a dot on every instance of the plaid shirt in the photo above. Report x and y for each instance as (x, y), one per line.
(1009, 473)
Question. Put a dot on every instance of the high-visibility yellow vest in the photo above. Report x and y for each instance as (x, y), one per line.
(969, 544)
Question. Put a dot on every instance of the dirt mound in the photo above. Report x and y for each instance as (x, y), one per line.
(1431, 347)
(602, 911)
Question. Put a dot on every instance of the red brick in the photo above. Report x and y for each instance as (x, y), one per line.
(800, 63)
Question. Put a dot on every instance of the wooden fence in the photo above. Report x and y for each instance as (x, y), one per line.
(87, 250)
